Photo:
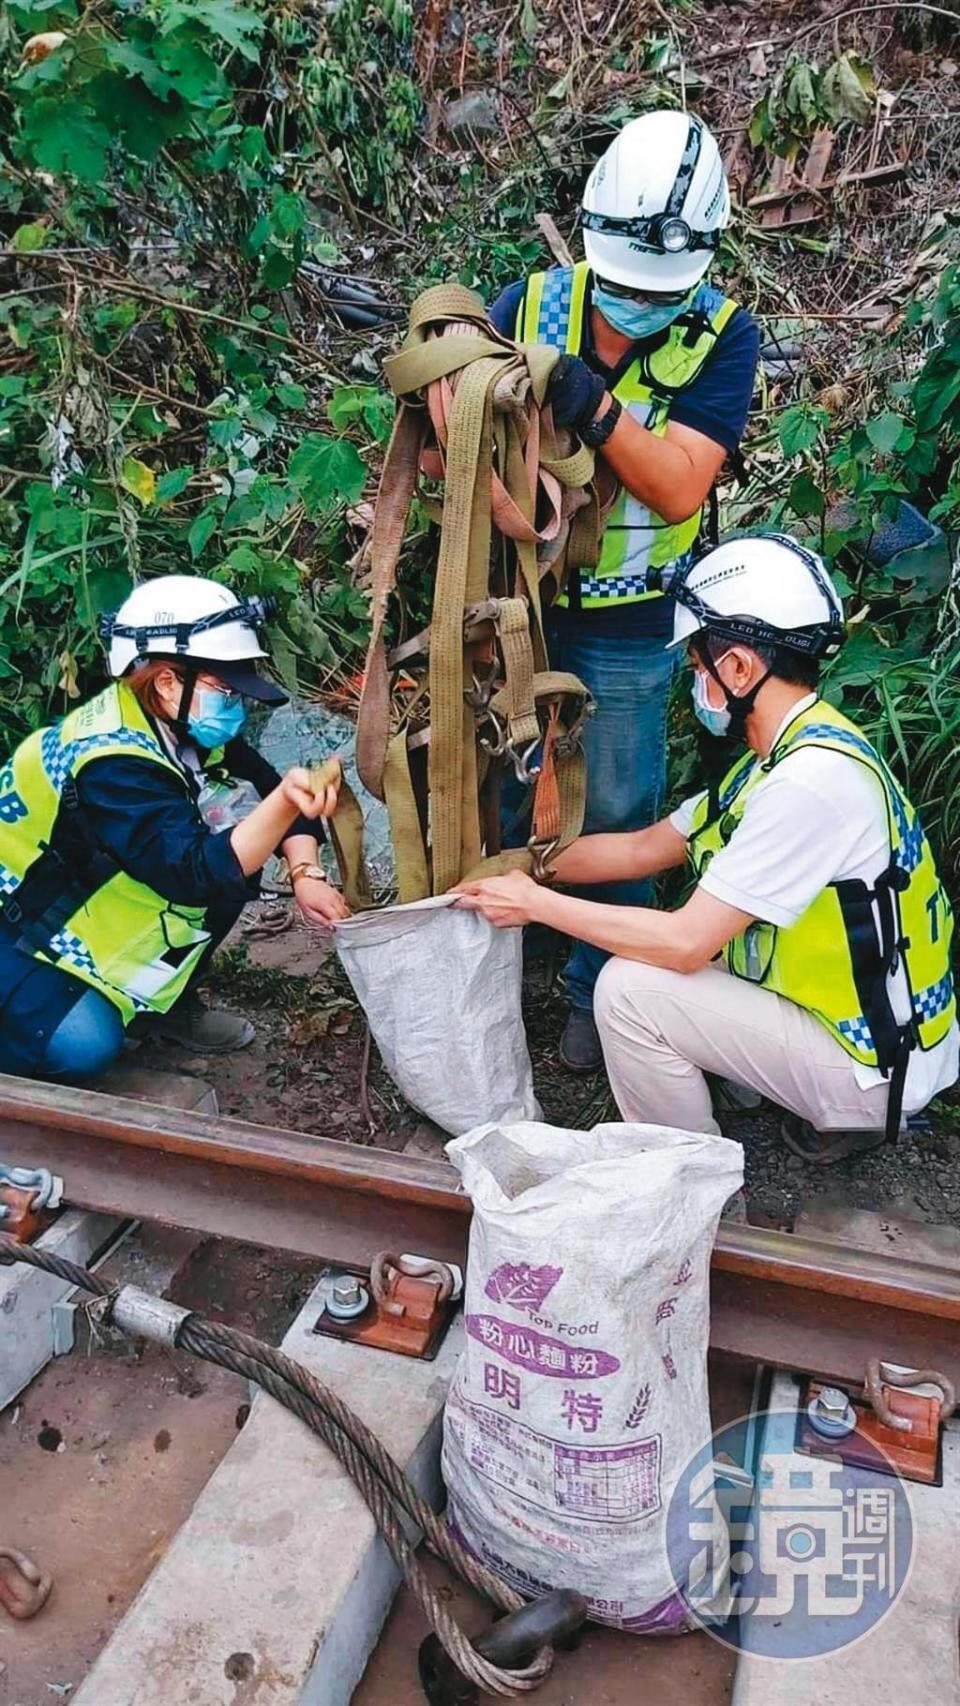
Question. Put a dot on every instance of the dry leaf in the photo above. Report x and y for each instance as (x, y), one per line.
(41, 47)
(332, 1020)
(68, 675)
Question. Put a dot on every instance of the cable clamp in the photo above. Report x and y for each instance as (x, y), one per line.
(136, 1311)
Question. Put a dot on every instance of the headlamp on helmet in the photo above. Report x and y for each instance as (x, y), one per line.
(663, 234)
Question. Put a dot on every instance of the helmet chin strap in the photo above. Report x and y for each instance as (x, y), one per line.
(739, 705)
(717, 755)
(180, 723)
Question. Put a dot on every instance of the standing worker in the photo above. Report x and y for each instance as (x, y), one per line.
(658, 377)
(815, 883)
(114, 888)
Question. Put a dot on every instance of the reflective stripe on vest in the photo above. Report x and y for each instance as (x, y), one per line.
(818, 962)
(122, 938)
(635, 540)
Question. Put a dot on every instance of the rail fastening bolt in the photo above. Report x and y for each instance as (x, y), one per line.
(833, 1403)
(831, 1413)
(348, 1298)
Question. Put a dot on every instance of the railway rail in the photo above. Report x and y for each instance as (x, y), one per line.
(779, 1298)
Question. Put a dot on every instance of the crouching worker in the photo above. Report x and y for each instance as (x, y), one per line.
(811, 962)
(114, 888)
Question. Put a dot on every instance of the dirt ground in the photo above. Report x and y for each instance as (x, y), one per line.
(305, 1071)
(105, 1453)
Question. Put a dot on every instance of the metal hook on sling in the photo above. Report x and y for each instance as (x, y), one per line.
(525, 772)
(542, 852)
(500, 745)
(479, 695)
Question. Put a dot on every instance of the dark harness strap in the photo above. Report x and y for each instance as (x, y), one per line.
(709, 537)
(67, 872)
(874, 959)
(898, 1079)
(716, 757)
(696, 324)
(712, 528)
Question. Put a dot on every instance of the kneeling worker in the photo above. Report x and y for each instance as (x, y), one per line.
(815, 883)
(113, 887)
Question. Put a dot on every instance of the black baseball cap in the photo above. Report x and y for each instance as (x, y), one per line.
(243, 678)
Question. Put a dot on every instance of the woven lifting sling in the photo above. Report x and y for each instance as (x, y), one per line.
(518, 505)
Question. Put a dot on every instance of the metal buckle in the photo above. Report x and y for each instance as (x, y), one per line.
(542, 852)
(500, 745)
(525, 772)
(570, 740)
(480, 694)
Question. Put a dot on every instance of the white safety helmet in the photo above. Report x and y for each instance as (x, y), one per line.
(762, 590)
(189, 617)
(655, 204)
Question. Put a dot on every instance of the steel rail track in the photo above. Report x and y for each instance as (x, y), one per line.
(789, 1300)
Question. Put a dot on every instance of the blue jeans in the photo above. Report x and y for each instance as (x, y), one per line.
(51, 1024)
(625, 746)
(54, 1026)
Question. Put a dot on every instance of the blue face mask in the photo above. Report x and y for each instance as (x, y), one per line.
(716, 722)
(218, 717)
(636, 319)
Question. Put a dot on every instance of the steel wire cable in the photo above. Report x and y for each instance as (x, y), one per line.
(378, 1477)
(435, 1532)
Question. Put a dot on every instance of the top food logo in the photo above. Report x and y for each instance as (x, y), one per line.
(522, 1286)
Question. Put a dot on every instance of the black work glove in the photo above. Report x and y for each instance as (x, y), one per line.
(574, 392)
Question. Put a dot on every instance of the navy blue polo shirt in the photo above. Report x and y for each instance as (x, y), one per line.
(716, 404)
(148, 818)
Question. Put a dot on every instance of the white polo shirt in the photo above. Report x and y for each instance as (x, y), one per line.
(819, 817)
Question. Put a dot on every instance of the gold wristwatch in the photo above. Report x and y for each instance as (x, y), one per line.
(306, 868)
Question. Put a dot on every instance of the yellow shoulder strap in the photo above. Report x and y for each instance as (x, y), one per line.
(723, 314)
(528, 313)
(578, 295)
(528, 318)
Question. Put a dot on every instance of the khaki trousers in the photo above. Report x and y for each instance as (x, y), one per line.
(663, 1030)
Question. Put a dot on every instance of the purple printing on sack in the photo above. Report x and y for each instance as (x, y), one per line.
(520, 1285)
(527, 1348)
(639, 1408)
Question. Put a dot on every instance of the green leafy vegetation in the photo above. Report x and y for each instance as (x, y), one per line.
(802, 98)
(169, 171)
(850, 471)
(183, 182)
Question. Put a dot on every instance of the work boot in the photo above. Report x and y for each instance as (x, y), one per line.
(820, 1148)
(732, 1098)
(202, 1030)
(580, 1048)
